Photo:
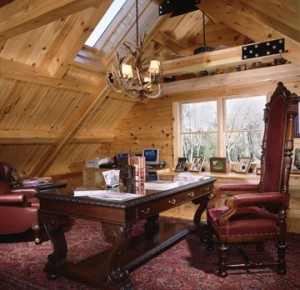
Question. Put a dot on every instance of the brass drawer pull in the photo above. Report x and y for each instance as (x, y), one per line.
(207, 188)
(145, 211)
(172, 201)
(191, 194)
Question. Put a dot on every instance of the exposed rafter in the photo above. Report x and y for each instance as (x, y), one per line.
(27, 73)
(207, 61)
(37, 13)
(248, 22)
(250, 77)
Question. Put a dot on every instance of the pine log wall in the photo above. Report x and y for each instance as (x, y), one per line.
(150, 124)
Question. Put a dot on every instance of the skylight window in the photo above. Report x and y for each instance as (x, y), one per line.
(104, 22)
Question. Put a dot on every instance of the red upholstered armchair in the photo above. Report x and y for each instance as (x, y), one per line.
(256, 213)
(18, 207)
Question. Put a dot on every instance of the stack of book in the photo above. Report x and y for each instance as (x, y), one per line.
(139, 164)
(36, 181)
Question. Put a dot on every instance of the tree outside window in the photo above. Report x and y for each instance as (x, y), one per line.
(199, 129)
(242, 125)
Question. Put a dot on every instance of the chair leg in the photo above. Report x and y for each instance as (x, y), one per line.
(223, 251)
(37, 237)
(281, 264)
(209, 238)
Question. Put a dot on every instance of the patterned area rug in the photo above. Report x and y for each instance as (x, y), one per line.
(187, 265)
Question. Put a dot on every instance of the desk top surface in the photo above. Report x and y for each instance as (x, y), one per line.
(150, 194)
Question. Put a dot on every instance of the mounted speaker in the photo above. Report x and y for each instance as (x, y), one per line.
(263, 48)
(178, 7)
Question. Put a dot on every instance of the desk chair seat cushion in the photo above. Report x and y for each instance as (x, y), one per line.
(246, 222)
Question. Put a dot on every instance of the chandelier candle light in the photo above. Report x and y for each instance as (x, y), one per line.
(132, 76)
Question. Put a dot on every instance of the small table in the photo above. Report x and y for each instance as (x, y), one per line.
(110, 269)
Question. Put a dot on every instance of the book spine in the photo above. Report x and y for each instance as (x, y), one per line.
(140, 172)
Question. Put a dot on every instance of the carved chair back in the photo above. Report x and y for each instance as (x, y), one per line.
(277, 147)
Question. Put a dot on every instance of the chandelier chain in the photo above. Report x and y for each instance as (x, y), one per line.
(137, 22)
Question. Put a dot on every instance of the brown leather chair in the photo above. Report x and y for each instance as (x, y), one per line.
(256, 213)
(18, 207)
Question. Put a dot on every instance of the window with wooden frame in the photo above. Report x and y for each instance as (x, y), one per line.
(220, 127)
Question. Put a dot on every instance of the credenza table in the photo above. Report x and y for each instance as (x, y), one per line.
(110, 269)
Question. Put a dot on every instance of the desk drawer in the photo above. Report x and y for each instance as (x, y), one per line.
(171, 201)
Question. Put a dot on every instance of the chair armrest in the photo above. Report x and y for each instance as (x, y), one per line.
(249, 200)
(12, 198)
(243, 187)
(231, 189)
(260, 199)
(28, 191)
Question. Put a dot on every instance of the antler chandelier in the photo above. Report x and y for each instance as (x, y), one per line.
(131, 76)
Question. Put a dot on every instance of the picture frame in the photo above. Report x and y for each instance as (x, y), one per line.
(197, 164)
(181, 164)
(297, 126)
(243, 165)
(296, 160)
(218, 164)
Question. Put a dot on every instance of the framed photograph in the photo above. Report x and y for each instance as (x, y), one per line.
(243, 165)
(181, 164)
(218, 164)
(197, 164)
(296, 159)
(297, 126)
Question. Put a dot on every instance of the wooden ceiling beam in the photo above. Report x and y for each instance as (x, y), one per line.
(282, 11)
(247, 21)
(45, 137)
(67, 45)
(208, 60)
(23, 72)
(98, 137)
(27, 137)
(170, 43)
(25, 15)
(247, 77)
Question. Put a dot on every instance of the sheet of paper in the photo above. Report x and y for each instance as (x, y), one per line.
(161, 184)
(107, 194)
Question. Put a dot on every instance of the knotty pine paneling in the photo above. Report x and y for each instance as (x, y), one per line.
(40, 46)
(31, 47)
(106, 116)
(26, 106)
(72, 158)
(22, 156)
(148, 124)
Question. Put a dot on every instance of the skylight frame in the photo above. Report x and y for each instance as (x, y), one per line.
(104, 23)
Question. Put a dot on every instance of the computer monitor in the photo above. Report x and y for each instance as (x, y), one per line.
(151, 156)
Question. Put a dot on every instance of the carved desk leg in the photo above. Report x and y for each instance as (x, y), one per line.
(151, 224)
(119, 236)
(202, 202)
(200, 227)
(54, 227)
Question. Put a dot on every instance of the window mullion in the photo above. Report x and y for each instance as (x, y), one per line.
(221, 127)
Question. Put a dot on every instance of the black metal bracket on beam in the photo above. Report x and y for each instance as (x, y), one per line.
(178, 7)
(263, 48)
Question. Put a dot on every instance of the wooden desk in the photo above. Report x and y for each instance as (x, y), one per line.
(110, 269)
